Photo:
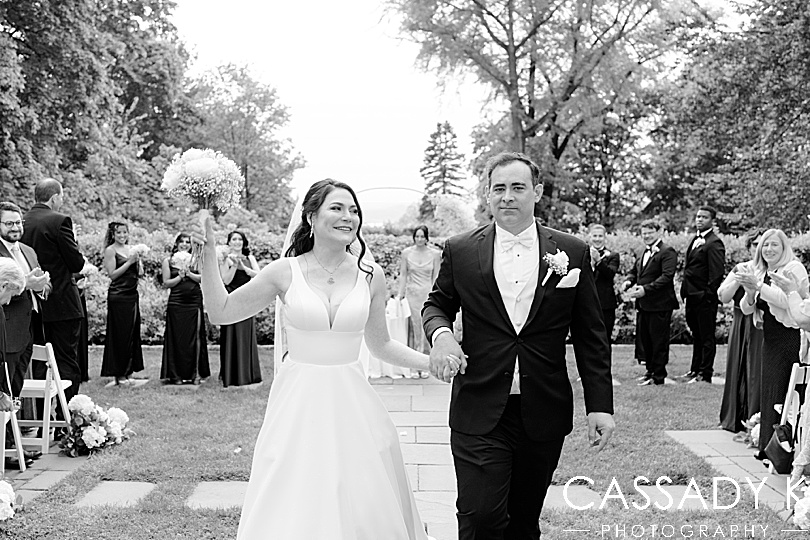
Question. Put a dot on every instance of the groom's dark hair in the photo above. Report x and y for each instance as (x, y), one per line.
(505, 158)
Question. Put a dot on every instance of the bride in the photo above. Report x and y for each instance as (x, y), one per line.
(327, 462)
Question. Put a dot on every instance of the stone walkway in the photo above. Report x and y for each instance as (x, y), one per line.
(419, 410)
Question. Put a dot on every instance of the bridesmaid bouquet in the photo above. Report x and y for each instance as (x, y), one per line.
(801, 510)
(207, 178)
(8, 501)
(139, 249)
(181, 260)
(92, 428)
(222, 253)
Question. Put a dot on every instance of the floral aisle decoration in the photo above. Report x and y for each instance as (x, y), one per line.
(9, 502)
(801, 510)
(207, 178)
(92, 428)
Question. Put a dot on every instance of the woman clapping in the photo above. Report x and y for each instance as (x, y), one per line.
(122, 347)
(185, 351)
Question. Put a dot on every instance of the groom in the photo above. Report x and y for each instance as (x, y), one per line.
(522, 288)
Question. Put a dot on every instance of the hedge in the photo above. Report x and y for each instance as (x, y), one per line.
(386, 249)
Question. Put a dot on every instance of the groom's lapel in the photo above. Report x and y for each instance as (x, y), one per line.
(486, 250)
(547, 245)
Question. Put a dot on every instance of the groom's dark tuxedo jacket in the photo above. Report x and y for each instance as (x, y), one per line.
(466, 280)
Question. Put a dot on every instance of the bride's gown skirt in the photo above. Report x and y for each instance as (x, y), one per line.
(327, 463)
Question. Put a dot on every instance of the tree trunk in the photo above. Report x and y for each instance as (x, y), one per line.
(247, 186)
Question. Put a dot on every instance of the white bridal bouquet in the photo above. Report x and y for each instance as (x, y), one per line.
(8, 501)
(92, 428)
(181, 260)
(207, 178)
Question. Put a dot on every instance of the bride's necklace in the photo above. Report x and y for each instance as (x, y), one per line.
(331, 280)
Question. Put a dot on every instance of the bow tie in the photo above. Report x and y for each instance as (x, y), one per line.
(509, 243)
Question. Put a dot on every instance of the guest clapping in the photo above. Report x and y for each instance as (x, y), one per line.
(185, 350)
(418, 269)
(781, 335)
(122, 347)
(744, 355)
(239, 353)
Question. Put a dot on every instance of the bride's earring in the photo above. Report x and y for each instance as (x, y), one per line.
(311, 232)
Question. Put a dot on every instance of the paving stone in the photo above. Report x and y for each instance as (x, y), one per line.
(119, 494)
(705, 436)
(28, 495)
(57, 462)
(396, 402)
(578, 496)
(703, 450)
(398, 390)
(437, 478)
(437, 390)
(750, 463)
(213, 495)
(427, 454)
(438, 511)
(734, 471)
(714, 461)
(731, 449)
(431, 403)
(419, 418)
(407, 434)
(45, 480)
(433, 434)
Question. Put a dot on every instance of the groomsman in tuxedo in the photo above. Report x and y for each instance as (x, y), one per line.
(18, 313)
(50, 233)
(605, 264)
(521, 288)
(650, 284)
(702, 276)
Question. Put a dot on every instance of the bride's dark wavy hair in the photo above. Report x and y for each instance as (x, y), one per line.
(302, 241)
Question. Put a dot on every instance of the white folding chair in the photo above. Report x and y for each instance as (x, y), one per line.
(51, 387)
(15, 429)
(794, 412)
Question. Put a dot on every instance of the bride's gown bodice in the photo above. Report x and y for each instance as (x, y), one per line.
(312, 338)
(327, 463)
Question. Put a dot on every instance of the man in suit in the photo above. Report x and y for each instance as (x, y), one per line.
(19, 333)
(50, 233)
(702, 275)
(521, 288)
(650, 284)
(605, 264)
(12, 283)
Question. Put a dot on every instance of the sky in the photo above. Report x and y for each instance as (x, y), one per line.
(361, 110)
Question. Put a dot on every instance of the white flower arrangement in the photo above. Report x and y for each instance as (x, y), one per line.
(9, 502)
(222, 253)
(557, 263)
(801, 510)
(92, 428)
(181, 260)
(206, 177)
(139, 249)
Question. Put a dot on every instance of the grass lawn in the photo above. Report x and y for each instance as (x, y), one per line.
(186, 436)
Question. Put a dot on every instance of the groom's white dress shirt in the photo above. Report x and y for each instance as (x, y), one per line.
(515, 263)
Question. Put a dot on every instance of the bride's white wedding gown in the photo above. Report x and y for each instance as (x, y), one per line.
(327, 463)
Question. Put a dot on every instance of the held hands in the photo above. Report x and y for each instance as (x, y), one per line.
(600, 429)
(446, 358)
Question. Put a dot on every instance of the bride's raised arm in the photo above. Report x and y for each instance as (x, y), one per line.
(257, 294)
(379, 342)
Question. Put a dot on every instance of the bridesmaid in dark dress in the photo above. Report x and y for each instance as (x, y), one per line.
(741, 391)
(781, 334)
(239, 353)
(185, 350)
(122, 346)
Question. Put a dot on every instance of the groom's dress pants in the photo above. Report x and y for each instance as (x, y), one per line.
(502, 478)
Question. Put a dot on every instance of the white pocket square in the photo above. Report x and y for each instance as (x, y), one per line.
(570, 279)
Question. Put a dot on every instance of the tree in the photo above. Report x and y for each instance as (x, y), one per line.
(242, 118)
(442, 169)
(733, 129)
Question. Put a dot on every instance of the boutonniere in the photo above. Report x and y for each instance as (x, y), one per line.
(698, 242)
(655, 250)
(557, 263)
